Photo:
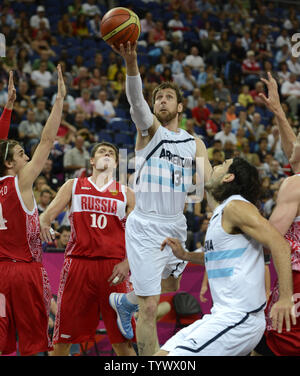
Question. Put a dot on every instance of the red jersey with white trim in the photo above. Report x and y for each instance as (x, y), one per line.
(19, 227)
(97, 217)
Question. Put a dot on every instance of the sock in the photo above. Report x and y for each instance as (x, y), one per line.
(132, 298)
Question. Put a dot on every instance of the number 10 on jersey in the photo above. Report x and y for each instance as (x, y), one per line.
(99, 221)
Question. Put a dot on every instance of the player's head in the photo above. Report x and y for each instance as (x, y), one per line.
(12, 157)
(234, 177)
(167, 102)
(104, 155)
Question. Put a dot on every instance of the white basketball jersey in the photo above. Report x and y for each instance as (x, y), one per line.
(234, 265)
(164, 172)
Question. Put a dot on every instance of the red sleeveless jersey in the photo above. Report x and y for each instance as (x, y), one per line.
(97, 218)
(19, 227)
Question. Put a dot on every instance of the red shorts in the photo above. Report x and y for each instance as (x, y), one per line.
(82, 296)
(25, 298)
(287, 343)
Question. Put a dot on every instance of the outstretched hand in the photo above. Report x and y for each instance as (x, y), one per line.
(128, 51)
(272, 102)
(11, 91)
(282, 312)
(61, 88)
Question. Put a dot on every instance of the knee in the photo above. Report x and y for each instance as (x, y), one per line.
(148, 309)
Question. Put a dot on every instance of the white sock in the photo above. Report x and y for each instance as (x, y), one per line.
(132, 298)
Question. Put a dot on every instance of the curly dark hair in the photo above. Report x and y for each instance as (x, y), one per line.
(246, 183)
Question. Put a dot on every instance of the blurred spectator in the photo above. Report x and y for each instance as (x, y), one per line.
(147, 25)
(283, 39)
(30, 131)
(282, 56)
(158, 35)
(51, 180)
(201, 113)
(257, 126)
(283, 73)
(192, 99)
(251, 69)
(217, 157)
(90, 9)
(259, 88)
(40, 45)
(3, 95)
(10, 60)
(200, 234)
(103, 107)
(262, 149)
(213, 124)
(186, 81)
(221, 93)
(94, 26)
(64, 26)
(225, 134)
(42, 76)
(177, 63)
(176, 26)
(216, 145)
(38, 18)
(250, 157)
(85, 104)
(242, 122)
(64, 237)
(80, 27)
(44, 201)
(76, 158)
(194, 60)
(290, 91)
(270, 204)
(115, 67)
(245, 98)
(294, 65)
(230, 113)
(40, 112)
(276, 175)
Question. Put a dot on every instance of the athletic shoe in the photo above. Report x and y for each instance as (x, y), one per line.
(124, 310)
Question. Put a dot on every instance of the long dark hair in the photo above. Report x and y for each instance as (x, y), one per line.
(246, 182)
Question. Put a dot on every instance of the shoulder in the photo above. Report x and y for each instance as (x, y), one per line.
(290, 188)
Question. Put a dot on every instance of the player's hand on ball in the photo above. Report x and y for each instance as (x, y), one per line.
(127, 51)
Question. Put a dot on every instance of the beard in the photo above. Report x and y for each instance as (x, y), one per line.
(166, 117)
(216, 188)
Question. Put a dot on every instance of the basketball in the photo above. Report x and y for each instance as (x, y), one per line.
(120, 25)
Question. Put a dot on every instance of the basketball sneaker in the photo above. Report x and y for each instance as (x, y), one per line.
(124, 310)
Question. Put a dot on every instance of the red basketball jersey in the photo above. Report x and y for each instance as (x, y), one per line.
(19, 227)
(97, 217)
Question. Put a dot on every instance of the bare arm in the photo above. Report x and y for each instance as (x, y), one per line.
(32, 169)
(179, 252)
(130, 200)
(146, 123)
(273, 104)
(286, 205)
(6, 114)
(246, 217)
(62, 199)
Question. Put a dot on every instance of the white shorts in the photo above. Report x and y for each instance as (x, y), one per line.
(148, 264)
(219, 334)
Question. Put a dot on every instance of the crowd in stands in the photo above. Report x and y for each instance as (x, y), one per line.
(215, 51)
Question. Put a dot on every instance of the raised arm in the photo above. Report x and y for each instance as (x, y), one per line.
(272, 102)
(33, 168)
(145, 122)
(62, 199)
(6, 114)
(246, 217)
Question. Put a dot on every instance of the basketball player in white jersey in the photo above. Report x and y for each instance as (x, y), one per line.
(286, 218)
(95, 258)
(24, 287)
(164, 156)
(234, 262)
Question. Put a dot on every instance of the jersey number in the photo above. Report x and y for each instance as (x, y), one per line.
(99, 222)
(2, 220)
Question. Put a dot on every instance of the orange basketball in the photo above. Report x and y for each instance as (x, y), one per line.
(120, 25)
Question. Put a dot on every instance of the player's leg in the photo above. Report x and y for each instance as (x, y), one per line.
(146, 330)
(124, 349)
(170, 284)
(121, 345)
(61, 349)
(161, 353)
